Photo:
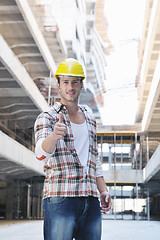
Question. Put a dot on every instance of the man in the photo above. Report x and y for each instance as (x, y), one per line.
(66, 141)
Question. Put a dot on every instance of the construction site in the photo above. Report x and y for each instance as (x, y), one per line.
(33, 42)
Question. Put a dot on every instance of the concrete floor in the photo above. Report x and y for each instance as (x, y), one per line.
(112, 230)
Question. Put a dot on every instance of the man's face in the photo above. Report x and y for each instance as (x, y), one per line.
(69, 89)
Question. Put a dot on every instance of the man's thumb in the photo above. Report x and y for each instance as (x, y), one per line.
(60, 117)
(106, 198)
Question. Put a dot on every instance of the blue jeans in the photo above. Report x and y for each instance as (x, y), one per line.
(66, 218)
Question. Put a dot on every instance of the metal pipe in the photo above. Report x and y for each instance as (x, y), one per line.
(101, 149)
(115, 176)
(121, 153)
(49, 90)
(136, 150)
(147, 149)
(140, 156)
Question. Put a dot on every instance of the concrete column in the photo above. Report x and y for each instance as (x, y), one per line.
(147, 149)
(140, 156)
(115, 174)
(148, 206)
(29, 201)
(49, 89)
(41, 209)
(122, 201)
(136, 150)
(18, 200)
(39, 203)
(110, 158)
(115, 201)
(33, 141)
(133, 216)
(9, 203)
(121, 152)
(101, 149)
(137, 214)
(115, 150)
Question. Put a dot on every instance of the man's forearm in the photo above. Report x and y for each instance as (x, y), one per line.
(49, 144)
(101, 185)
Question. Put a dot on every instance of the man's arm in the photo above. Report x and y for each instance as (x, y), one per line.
(105, 197)
(46, 138)
(59, 132)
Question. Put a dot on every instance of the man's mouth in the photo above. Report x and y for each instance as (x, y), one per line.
(71, 93)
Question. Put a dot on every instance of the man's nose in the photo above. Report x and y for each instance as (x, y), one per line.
(70, 84)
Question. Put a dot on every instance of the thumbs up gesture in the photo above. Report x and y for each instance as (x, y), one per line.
(60, 128)
(60, 117)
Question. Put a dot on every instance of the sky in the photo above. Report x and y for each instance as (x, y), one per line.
(125, 19)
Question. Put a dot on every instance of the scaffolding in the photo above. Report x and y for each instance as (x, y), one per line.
(123, 157)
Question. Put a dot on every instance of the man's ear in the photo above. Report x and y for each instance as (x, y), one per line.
(82, 85)
(58, 86)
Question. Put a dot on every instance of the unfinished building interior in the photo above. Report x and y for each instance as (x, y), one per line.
(31, 47)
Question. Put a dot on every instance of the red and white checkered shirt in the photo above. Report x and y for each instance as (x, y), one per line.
(65, 175)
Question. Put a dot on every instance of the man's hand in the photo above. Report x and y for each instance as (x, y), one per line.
(59, 128)
(105, 199)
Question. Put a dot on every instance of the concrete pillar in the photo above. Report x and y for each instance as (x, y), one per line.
(137, 214)
(49, 90)
(121, 153)
(33, 141)
(115, 175)
(136, 163)
(39, 203)
(110, 158)
(147, 149)
(101, 149)
(115, 201)
(9, 203)
(115, 150)
(133, 216)
(140, 156)
(41, 209)
(122, 201)
(148, 206)
(29, 201)
(18, 200)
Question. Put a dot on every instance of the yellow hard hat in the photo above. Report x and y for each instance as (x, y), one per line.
(70, 67)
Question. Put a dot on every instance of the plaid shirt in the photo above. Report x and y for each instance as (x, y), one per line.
(65, 175)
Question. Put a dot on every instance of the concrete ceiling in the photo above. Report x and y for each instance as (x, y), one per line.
(28, 45)
(31, 48)
(27, 61)
(149, 87)
(148, 69)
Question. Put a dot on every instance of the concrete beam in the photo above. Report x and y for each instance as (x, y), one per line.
(36, 33)
(14, 92)
(16, 69)
(17, 153)
(123, 176)
(153, 166)
(153, 25)
(152, 98)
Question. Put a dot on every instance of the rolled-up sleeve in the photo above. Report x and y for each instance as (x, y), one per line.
(40, 153)
(43, 127)
(99, 172)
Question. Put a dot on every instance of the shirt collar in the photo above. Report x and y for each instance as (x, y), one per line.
(58, 106)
